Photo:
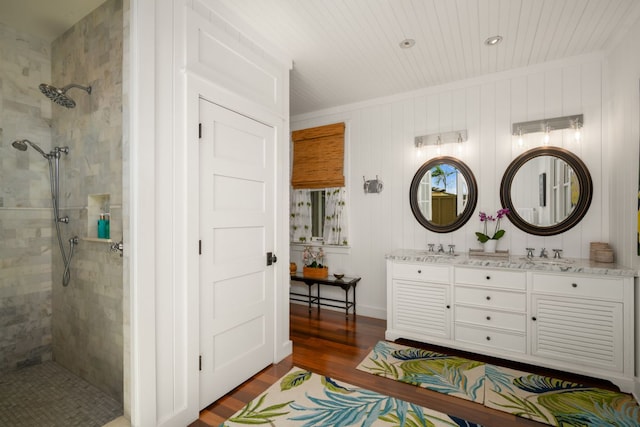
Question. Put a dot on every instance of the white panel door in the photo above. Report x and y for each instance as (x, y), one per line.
(237, 228)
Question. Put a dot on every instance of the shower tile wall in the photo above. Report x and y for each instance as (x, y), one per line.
(25, 206)
(88, 314)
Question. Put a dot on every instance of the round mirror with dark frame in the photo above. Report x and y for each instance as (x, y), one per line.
(547, 189)
(443, 194)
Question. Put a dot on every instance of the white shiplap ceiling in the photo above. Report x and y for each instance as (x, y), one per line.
(347, 51)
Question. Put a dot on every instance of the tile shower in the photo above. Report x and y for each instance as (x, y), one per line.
(80, 326)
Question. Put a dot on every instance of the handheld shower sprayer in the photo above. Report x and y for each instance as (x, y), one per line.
(53, 158)
(21, 145)
(59, 96)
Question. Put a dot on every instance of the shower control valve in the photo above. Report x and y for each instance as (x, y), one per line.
(117, 247)
(64, 150)
(64, 219)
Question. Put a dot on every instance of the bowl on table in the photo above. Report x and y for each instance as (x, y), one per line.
(338, 276)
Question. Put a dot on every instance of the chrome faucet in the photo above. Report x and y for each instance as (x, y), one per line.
(557, 253)
(451, 247)
(543, 253)
(430, 246)
(440, 249)
(530, 252)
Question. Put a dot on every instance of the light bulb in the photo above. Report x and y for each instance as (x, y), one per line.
(578, 132)
(520, 140)
(438, 151)
(438, 143)
(545, 140)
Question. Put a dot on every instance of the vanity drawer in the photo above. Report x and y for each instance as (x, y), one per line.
(495, 278)
(422, 272)
(579, 286)
(491, 338)
(491, 298)
(491, 318)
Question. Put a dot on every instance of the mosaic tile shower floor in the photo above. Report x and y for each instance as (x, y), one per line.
(47, 395)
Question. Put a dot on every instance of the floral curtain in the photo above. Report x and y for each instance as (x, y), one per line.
(300, 221)
(335, 221)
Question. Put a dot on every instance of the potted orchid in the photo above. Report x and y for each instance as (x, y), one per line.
(490, 241)
(313, 263)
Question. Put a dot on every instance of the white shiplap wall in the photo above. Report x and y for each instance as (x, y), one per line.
(380, 142)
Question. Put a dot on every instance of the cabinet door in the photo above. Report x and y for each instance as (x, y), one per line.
(422, 307)
(577, 331)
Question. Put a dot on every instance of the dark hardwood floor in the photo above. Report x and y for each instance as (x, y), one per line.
(327, 343)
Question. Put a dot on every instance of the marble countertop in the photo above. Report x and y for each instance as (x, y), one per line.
(513, 262)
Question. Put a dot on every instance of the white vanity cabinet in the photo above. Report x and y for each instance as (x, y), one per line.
(578, 319)
(419, 302)
(584, 320)
(490, 309)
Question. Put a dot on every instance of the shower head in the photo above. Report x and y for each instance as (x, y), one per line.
(22, 146)
(59, 96)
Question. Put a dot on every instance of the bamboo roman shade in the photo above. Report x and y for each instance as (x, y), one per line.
(318, 157)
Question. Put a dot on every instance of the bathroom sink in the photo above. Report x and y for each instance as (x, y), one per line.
(547, 261)
(438, 255)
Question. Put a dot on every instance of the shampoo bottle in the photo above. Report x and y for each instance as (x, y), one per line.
(102, 227)
(107, 232)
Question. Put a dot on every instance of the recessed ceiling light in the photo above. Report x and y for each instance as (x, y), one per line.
(407, 43)
(492, 41)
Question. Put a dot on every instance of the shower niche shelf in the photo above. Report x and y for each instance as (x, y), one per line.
(95, 239)
(97, 204)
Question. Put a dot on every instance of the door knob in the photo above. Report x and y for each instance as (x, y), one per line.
(271, 258)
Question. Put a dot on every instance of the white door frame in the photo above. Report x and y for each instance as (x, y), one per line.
(157, 129)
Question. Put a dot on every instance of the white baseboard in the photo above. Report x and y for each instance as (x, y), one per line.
(361, 310)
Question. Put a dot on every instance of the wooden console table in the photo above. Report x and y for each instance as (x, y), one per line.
(345, 283)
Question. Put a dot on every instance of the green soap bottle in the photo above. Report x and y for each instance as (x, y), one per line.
(102, 227)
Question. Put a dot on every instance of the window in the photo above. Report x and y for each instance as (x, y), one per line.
(318, 198)
(317, 214)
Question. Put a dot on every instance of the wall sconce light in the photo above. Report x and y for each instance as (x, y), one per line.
(547, 126)
(437, 139)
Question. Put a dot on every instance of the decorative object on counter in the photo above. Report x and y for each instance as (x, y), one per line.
(490, 246)
(600, 252)
(313, 263)
(497, 255)
(338, 276)
(490, 242)
(293, 268)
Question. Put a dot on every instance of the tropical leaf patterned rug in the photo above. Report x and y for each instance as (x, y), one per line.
(557, 402)
(539, 398)
(302, 398)
(455, 376)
